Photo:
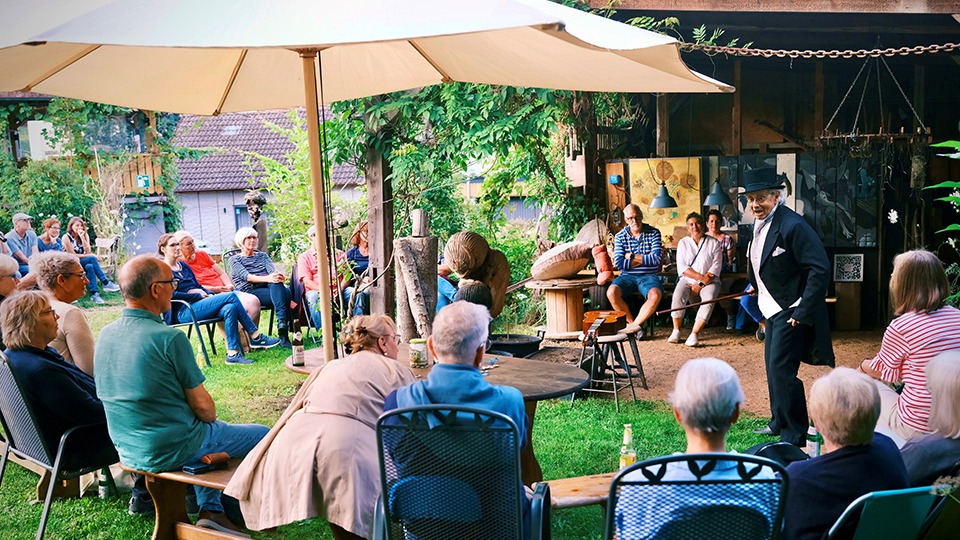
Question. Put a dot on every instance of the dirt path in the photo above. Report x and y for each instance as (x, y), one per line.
(661, 360)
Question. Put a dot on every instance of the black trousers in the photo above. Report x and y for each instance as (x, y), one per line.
(783, 348)
(275, 295)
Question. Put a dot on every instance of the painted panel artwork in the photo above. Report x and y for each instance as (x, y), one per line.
(682, 178)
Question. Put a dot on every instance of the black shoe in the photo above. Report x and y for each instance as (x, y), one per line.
(285, 343)
(141, 507)
(768, 431)
(760, 334)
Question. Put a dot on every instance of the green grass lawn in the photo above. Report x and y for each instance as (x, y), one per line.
(570, 440)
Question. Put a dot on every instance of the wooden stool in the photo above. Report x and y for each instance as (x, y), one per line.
(606, 351)
(631, 332)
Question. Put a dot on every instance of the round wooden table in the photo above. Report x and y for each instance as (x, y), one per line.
(564, 299)
(534, 379)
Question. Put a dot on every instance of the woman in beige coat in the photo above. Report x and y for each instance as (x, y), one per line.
(320, 459)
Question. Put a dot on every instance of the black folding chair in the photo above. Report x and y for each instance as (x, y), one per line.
(685, 496)
(194, 322)
(24, 440)
(454, 472)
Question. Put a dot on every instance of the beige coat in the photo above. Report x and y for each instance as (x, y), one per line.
(320, 459)
(74, 339)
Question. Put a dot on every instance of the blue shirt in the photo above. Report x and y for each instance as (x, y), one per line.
(57, 245)
(25, 245)
(358, 261)
(649, 245)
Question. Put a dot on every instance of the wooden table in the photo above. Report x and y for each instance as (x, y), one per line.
(564, 299)
(536, 381)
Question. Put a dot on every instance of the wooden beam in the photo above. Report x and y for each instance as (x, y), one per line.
(663, 125)
(947, 7)
(736, 135)
(383, 297)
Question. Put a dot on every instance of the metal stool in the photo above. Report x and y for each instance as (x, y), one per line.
(607, 351)
(631, 332)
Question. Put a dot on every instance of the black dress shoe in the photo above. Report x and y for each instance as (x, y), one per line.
(766, 431)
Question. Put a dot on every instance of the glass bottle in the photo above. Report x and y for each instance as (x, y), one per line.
(628, 456)
(298, 355)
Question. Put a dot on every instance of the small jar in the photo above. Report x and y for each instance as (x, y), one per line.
(418, 353)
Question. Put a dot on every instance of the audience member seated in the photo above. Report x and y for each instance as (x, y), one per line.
(929, 457)
(358, 257)
(63, 281)
(749, 305)
(77, 242)
(729, 250)
(706, 401)
(844, 405)
(22, 241)
(638, 254)
(212, 276)
(50, 239)
(699, 259)
(253, 272)
(320, 459)
(8, 281)
(207, 305)
(61, 395)
(309, 274)
(446, 287)
(158, 412)
(924, 327)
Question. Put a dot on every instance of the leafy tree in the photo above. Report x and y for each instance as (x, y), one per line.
(54, 188)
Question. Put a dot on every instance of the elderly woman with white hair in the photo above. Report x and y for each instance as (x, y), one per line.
(253, 272)
(931, 456)
(844, 405)
(63, 280)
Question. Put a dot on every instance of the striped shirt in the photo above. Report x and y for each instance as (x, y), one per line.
(649, 245)
(258, 264)
(910, 341)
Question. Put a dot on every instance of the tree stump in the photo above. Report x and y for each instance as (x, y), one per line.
(416, 265)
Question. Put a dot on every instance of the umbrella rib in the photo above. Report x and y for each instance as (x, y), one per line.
(233, 78)
(444, 77)
(59, 67)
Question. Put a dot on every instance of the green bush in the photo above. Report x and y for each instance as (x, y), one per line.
(54, 188)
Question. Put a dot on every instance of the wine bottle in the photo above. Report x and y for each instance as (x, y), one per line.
(628, 456)
(298, 355)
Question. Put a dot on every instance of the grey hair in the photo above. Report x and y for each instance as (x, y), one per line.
(19, 314)
(943, 381)
(243, 233)
(458, 331)
(181, 234)
(8, 265)
(845, 406)
(706, 394)
(50, 265)
(137, 276)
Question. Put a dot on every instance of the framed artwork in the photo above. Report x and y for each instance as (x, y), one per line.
(682, 178)
(848, 267)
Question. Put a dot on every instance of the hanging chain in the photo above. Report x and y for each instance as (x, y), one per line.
(860, 53)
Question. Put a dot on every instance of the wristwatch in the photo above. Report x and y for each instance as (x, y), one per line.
(701, 284)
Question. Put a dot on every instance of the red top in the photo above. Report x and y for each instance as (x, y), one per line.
(202, 267)
(307, 267)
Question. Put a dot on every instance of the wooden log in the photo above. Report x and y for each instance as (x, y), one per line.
(421, 225)
(416, 265)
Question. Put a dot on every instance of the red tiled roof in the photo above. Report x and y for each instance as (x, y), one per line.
(32, 96)
(230, 137)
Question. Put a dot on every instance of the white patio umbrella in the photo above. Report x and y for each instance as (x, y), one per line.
(213, 56)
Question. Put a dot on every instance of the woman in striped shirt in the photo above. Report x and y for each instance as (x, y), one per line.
(253, 272)
(923, 328)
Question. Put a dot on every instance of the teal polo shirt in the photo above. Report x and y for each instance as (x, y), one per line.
(142, 369)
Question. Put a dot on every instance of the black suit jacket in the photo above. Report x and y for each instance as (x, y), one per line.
(795, 265)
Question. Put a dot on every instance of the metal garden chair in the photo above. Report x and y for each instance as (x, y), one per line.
(24, 440)
(225, 261)
(454, 472)
(690, 496)
(194, 322)
(892, 515)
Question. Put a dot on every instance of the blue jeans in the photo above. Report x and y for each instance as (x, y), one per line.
(749, 305)
(24, 269)
(642, 284)
(277, 296)
(234, 439)
(229, 308)
(91, 266)
(362, 304)
(313, 299)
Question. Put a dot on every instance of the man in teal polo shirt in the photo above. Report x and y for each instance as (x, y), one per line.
(159, 415)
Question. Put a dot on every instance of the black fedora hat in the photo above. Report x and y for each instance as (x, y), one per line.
(761, 179)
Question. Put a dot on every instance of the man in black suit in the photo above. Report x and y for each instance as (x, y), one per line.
(789, 268)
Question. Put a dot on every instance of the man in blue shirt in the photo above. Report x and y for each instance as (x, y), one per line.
(637, 252)
(22, 241)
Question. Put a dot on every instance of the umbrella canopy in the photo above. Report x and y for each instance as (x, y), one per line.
(215, 56)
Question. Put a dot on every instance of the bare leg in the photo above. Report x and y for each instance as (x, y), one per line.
(678, 322)
(649, 307)
(698, 326)
(615, 296)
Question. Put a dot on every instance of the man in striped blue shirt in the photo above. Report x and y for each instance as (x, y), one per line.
(637, 252)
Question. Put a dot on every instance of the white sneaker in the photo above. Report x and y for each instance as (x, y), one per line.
(674, 337)
(692, 341)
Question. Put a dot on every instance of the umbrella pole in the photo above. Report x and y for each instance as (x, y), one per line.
(316, 185)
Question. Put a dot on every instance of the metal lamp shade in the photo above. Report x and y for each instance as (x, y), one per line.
(663, 199)
(717, 196)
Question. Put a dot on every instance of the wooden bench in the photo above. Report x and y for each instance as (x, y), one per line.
(580, 491)
(168, 490)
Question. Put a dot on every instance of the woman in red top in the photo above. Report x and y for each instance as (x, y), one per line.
(212, 276)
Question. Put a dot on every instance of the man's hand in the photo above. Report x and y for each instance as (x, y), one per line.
(793, 322)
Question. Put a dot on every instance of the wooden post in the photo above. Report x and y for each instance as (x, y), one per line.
(663, 125)
(416, 265)
(380, 226)
(736, 141)
(919, 87)
(421, 225)
(818, 98)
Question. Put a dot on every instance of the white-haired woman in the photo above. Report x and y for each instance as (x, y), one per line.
(253, 272)
(932, 456)
(9, 270)
(844, 405)
(64, 281)
(327, 429)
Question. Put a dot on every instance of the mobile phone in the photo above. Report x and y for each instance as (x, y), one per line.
(197, 468)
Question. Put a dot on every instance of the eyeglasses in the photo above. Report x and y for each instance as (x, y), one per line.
(14, 276)
(392, 337)
(78, 274)
(50, 311)
(173, 282)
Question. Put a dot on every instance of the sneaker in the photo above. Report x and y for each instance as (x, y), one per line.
(218, 521)
(692, 341)
(263, 341)
(760, 334)
(95, 298)
(674, 337)
(111, 287)
(141, 507)
(238, 359)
